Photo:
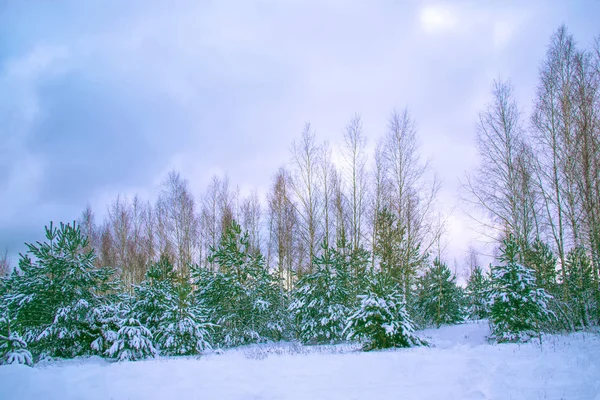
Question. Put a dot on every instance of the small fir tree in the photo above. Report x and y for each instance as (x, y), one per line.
(321, 300)
(396, 255)
(167, 307)
(13, 349)
(133, 342)
(242, 297)
(518, 306)
(381, 319)
(439, 298)
(476, 293)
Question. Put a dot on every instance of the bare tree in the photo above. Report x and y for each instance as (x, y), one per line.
(210, 220)
(327, 173)
(282, 220)
(175, 209)
(5, 264)
(107, 255)
(354, 152)
(472, 259)
(340, 209)
(305, 158)
(502, 186)
(87, 223)
(117, 237)
(587, 147)
(552, 123)
(412, 194)
(148, 227)
(251, 220)
(380, 195)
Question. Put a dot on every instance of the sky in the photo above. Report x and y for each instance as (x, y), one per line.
(105, 97)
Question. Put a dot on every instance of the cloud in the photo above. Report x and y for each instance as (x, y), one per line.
(438, 18)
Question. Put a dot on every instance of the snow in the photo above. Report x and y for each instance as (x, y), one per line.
(459, 365)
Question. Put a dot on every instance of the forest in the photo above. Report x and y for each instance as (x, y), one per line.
(342, 248)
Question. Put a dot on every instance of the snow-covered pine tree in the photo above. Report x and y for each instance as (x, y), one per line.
(133, 342)
(439, 298)
(106, 321)
(13, 349)
(243, 298)
(55, 292)
(381, 319)
(321, 300)
(579, 287)
(477, 292)
(518, 306)
(167, 307)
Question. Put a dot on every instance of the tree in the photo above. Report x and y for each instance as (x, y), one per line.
(439, 297)
(305, 157)
(502, 186)
(580, 287)
(393, 251)
(166, 305)
(354, 153)
(539, 256)
(13, 350)
(379, 198)
(243, 299)
(4, 264)
(175, 211)
(518, 305)
(133, 342)
(552, 123)
(321, 300)
(87, 222)
(54, 295)
(381, 320)
(477, 292)
(251, 213)
(412, 195)
(282, 222)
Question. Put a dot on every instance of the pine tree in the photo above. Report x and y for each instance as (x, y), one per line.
(353, 262)
(133, 342)
(55, 292)
(396, 256)
(476, 293)
(579, 286)
(321, 300)
(439, 298)
(518, 306)
(167, 307)
(539, 256)
(106, 321)
(243, 298)
(381, 319)
(13, 349)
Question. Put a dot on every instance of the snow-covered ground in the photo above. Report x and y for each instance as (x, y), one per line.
(459, 365)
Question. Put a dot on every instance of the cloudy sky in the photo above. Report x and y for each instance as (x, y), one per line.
(105, 97)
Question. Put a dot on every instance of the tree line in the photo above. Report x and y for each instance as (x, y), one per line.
(310, 201)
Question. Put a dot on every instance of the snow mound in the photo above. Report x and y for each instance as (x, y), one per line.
(469, 334)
